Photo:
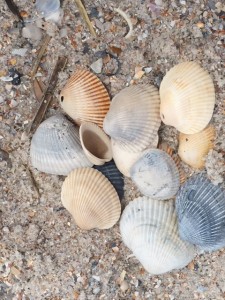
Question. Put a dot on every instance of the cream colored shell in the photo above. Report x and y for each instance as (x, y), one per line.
(91, 199)
(187, 98)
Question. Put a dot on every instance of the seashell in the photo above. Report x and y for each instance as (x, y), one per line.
(84, 98)
(110, 171)
(187, 98)
(200, 208)
(156, 174)
(133, 118)
(96, 144)
(56, 148)
(194, 147)
(149, 229)
(91, 199)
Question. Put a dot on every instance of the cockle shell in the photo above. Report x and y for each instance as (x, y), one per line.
(91, 199)
(200, 208)
(96, 144)
(149, 229)
(156, 174)
(56, 148)
(194, 147)
(133, 118)
(84, 98)
(187, 98)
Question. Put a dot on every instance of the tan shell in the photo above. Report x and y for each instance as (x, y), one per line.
(187, 98)
(133, 119)
(194, 147)
(91, 199)
(84, 98)
(96, 144)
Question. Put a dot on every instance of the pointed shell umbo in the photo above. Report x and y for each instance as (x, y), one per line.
(84, 98)
(194, 147)
(187, 98)
(133, 119)
(156, 175)
(200, 208)
(149, 229)
(91, 199)
(56, 148)
(96, 144)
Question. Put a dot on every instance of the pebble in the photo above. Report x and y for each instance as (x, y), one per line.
(97, 66)
(19, 51)
(124, 286)
(96, 277)
(32, 32)
(1, 99)
(96, 290)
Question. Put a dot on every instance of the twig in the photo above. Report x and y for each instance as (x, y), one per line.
(128, 20)
(85, 16)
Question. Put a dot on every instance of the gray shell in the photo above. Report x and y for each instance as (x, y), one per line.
(56, 148)
(200, 207)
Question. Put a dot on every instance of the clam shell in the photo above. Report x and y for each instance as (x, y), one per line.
(200, 208)
(96, 144)
(91, 199)
(149, 228)
(133, 118)
(187, 98)
(84, 98)
(156, 174)
(194, 147)
(110, 171)
(56, 148)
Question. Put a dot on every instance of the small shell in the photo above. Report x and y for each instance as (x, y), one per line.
(200, 208)
(187, 98)
(133, 119)
(194, 147)
(96, 144)
(114, 176)
(84, 98)
(91, 199)
(156, 175)
(149, 228)
(55, 147)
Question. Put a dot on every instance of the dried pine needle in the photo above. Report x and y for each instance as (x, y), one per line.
(128, 20)
(84, 14)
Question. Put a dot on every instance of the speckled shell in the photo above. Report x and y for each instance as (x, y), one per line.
(187, 98)
(156, 174)
(56, 148)
(96, 144)
(149, 229)
(84, 98)
(91, 199)
(200, 208)
(194, 147)
(133, 119)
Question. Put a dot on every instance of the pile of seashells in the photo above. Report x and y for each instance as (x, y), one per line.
(163, 235)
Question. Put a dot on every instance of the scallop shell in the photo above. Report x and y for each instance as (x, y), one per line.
(84, 98)
(110, 171)
(96, 144)
(91, 199)
(149, 228)
(56, 148)
(133, 118)
(156, 175)
(187, 98)
(200, 208)
(194, 147)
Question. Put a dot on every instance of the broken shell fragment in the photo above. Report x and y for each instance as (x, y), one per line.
(187, 98)
(91, 199)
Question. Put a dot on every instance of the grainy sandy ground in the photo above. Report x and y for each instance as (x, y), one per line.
(43, 255)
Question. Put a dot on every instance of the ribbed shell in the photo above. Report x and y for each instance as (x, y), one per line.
(96, 144)
(149, 228)
(91, 199)
(187, 98)
(56, 148)
(133, 119)
(200, 208)
(156, 175)
(194, 147)
(84, 98)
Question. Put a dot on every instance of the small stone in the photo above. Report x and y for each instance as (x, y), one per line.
(13, 103)
(148, 70)
(1, 99)
(200, 25)
(19, 51)
(124, 286)
(97, 66)
(97, 278)
(96, 290)
(191, 265)
(30, 31)
(8, 87)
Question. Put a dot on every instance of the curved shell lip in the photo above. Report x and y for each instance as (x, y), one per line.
(95, 143)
